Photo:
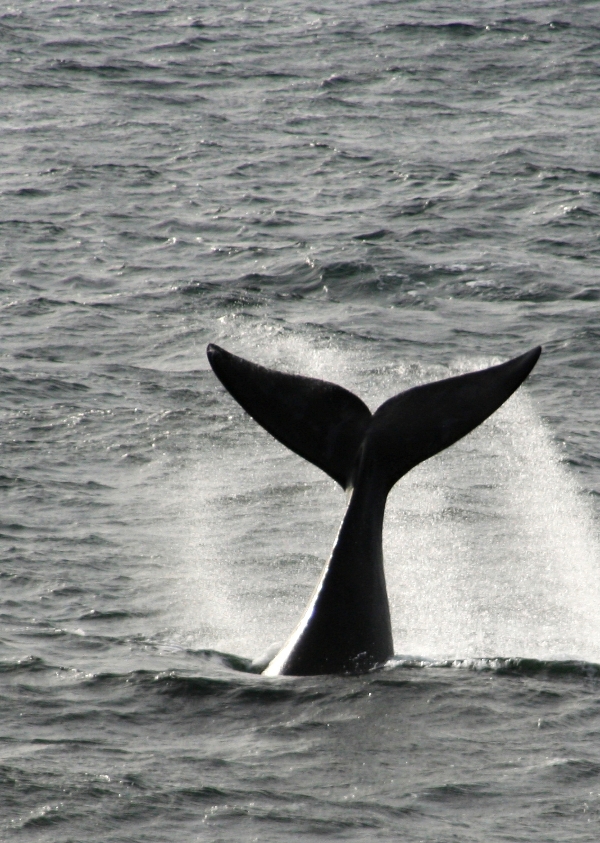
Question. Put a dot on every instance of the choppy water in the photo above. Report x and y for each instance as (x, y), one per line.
(378, 194)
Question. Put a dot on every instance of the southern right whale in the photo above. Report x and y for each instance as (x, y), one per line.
(346, 626)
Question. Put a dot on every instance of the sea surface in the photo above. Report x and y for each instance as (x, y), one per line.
(379, 194)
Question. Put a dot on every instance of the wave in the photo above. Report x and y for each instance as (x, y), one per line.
(511, 666)
(224, 671)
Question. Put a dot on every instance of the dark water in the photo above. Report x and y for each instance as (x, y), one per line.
(378, 194)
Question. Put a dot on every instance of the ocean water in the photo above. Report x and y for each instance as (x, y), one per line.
(375, 193)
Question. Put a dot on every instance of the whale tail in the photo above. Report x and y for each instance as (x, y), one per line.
(346, 626)
(332, 428)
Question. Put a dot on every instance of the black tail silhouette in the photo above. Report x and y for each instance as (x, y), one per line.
(346, 625)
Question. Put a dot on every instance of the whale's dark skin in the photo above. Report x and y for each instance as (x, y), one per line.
(346, 626)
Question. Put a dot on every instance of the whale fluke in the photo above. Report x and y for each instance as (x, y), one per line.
(346, 626)
(419, 423)
(320, 421)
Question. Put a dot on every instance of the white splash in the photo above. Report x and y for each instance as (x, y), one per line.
(490, 548)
